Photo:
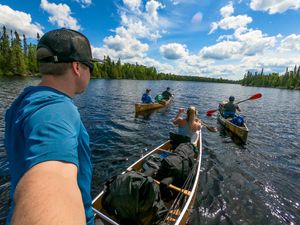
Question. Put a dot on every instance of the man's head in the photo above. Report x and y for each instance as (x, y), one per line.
(168, 89)
(58, 48)
(148, 90)
(231, 98)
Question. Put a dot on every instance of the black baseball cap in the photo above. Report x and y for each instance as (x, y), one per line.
(65, 45)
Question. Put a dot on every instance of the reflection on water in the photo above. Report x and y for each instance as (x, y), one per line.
(255, 183)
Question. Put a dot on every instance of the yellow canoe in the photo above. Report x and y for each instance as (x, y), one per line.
(239, 131)
(179, 213)
(140, 107)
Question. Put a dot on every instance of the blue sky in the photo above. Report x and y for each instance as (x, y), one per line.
(206, 38)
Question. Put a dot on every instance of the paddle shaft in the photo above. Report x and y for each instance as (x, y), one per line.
(185, 192)
(209, 128)
(243, 101)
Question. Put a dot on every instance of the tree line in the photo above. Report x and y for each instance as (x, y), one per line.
(109, 69)
(289, 80)
(17, 57)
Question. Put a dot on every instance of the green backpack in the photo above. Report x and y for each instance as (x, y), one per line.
(158, 98)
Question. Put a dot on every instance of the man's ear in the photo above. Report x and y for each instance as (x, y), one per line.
(76, 68)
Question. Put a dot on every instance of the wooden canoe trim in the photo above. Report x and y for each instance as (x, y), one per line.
(171, 186)
(175, 212)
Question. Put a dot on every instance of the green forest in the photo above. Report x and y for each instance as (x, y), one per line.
(290, 80)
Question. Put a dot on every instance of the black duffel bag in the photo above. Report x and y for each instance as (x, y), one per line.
(177, 139)
(134, 199)
(176, 167)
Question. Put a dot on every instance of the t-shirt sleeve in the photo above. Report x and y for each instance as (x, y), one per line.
(52, 134)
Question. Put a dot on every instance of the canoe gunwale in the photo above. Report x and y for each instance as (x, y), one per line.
(184, 214)
(195, 186)
(243, 130)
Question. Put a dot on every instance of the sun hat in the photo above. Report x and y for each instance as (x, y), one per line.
(64, 45)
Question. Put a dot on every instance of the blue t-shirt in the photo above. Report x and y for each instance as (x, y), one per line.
(146, 98)
(41, 125)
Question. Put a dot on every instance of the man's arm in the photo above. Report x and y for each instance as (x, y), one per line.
(177, 118)
(48, 194)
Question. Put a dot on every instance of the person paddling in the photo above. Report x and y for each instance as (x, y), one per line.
(166, 95)
(146, 98)
(45, 140)
(190, 125)
(229, 109)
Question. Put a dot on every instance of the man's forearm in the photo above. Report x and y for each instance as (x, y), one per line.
(47, 198)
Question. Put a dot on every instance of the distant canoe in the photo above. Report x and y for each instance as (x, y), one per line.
(140, 107)
(239, 131)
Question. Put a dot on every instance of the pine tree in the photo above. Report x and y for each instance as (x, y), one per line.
(19, 67)
(5, 51)
(32, 62)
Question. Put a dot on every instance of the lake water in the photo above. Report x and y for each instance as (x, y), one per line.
(256, 183)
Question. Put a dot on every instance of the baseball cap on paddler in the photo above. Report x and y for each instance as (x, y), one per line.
(64, 45)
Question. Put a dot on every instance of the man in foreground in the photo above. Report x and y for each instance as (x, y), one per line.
(46, 143)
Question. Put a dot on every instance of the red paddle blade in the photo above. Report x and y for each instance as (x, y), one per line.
(210, 112)
(256, 96)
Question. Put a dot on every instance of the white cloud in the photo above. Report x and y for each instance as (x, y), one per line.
(84, 3)
(19, 21)
(160, 67)
(122, 45)
(143, 22)
(132, 4)
(222, 50)
(244, 43)
(271, 61)
(60, 14)
(231, 22)
(227, 10)
(274, 6)
(151, 9)
(173, 51)
(138, 28)
(253, 41)
(291, 43)
(228, 21)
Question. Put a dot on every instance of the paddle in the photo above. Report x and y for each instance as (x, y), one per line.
(209, 128)
(253, 97)
(171, 186)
